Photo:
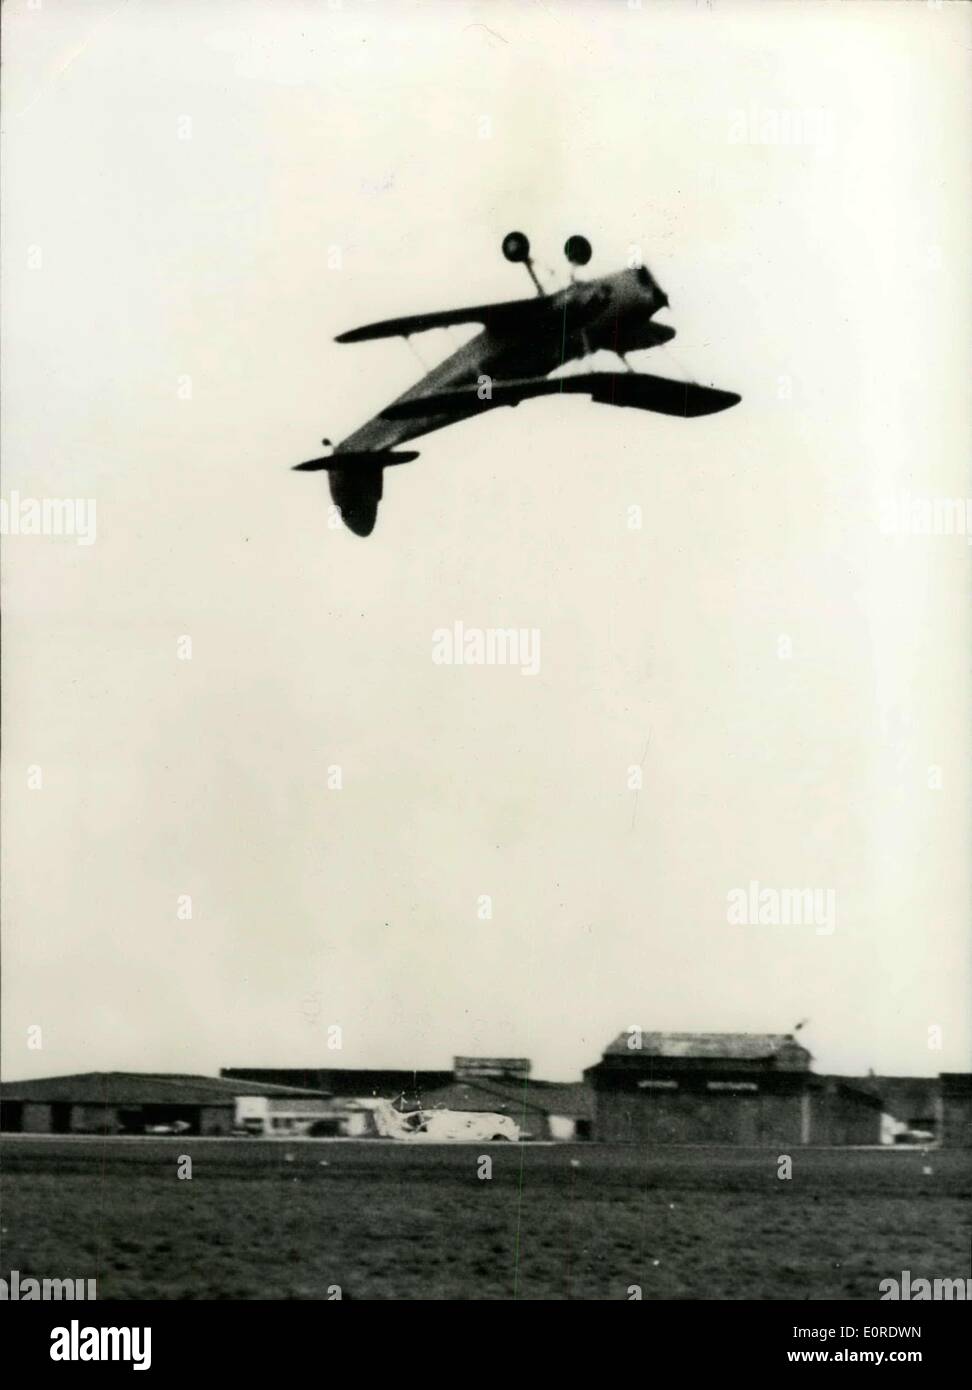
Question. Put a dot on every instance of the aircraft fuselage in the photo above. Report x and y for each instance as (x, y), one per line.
(613, 312)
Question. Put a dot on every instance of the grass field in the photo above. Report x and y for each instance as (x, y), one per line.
(384, 1221)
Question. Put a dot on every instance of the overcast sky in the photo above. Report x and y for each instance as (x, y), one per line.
(792, 680)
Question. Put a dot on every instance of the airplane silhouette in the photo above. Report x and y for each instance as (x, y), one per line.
(521, 343)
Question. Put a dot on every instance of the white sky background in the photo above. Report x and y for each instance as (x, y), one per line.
(842, 268)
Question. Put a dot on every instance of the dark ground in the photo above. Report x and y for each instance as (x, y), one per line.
(384, 1221)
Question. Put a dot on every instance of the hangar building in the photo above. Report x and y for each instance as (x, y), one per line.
(118, 1102)
(723, 1088)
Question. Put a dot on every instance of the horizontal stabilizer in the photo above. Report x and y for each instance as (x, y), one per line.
(638, 390)
(353, 460)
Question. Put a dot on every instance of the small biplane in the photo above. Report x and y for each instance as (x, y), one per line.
(522, 342)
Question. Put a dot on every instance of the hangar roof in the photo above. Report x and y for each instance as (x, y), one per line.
(573, 1100)
(708, 1046)
(344, 1081)
(142, 1088)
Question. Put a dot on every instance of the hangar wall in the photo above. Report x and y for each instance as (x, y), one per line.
(843, 1115)
(36, 1118)
(95, 1119)
(956, 1109)
(686, 1117)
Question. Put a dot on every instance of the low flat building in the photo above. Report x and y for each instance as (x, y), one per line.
(117, 1102)
(911, 1104)
(495, 1068)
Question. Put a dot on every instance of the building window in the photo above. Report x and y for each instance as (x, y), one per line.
(731, 1086)
(657, 1085)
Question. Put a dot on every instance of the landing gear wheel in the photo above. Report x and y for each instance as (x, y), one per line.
(516, 246)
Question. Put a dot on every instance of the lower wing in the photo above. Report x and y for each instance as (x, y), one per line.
(638, 390)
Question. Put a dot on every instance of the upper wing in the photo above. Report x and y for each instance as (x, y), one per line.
(636, 389)
(502, 317)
